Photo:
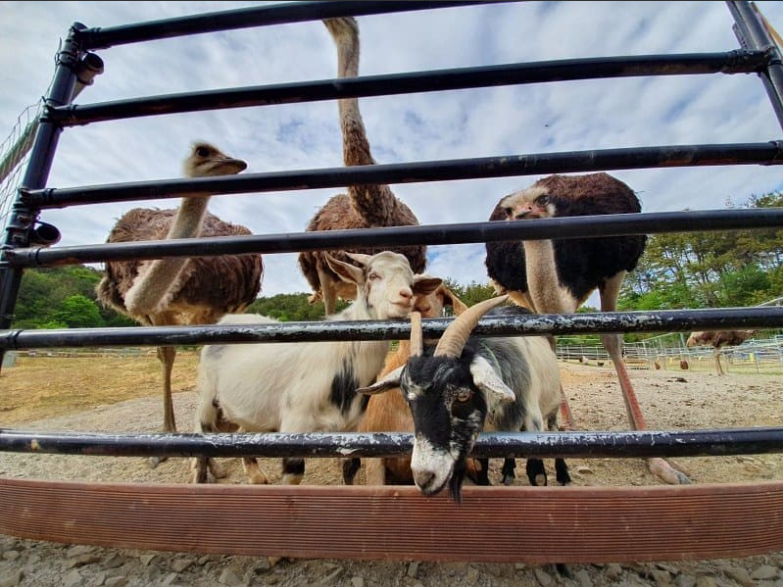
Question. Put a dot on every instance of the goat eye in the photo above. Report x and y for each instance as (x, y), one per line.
(508, 212)
(542, 200)
(464, 395)
(374, 276)
(202, 152)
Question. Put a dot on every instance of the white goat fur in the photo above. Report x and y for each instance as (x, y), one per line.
(286, 387)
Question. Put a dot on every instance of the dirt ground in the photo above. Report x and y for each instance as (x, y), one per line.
(126, 399)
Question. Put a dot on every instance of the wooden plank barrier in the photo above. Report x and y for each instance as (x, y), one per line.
(493, 524)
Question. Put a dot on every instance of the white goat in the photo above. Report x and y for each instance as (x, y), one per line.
(304, 387)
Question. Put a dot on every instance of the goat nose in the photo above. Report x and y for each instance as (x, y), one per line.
(406, 293)
(423, 479)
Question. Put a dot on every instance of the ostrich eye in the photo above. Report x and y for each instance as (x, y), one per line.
(202, 151)
(464, 395)
(542, 200)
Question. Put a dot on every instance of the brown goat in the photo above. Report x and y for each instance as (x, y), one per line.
(389, 412)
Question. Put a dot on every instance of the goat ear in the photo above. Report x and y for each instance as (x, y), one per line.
(363, 260)
(424, 285)
(449, 299)
(488, 381)
(387, 382)
(345, 271)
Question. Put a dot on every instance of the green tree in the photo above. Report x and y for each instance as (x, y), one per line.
(291, 308)
(709, 269)
(43, 293)
(77, 311)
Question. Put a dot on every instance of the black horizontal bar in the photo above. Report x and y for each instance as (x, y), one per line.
(210, 22)
(527, 325)
(770, 153)
(405, 83)
(439, 234)
(697, 443)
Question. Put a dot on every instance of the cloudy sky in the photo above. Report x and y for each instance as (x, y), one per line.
(445, 125)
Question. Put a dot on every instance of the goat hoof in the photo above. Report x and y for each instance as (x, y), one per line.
(198, 477)
(291, 479)
(664, 471)
(259, 479)
(218, 471)
(153, 462)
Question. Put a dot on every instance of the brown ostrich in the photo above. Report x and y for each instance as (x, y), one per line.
(558, 276)
(180, 291)
(718, 339)
(364, 206)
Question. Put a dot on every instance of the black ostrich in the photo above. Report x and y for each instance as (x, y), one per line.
(557, 276)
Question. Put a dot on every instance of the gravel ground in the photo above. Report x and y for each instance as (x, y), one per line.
(676, 400)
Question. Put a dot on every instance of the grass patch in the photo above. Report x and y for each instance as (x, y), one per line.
(44, 387)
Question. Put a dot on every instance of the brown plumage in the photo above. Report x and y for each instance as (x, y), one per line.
(364, 206)
(180, 291)
(718, 339)
(557, 276)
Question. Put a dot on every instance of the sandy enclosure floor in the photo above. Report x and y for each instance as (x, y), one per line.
(670, 400)
(673, 400)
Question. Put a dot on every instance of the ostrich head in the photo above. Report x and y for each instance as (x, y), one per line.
(533, 202)
(206, 160)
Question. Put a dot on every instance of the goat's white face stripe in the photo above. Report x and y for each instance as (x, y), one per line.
(426, 459)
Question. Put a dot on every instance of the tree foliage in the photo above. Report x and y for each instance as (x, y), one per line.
(62, 297)
(709, 269)
(291, 308)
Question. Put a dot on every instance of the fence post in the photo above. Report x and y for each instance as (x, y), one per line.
(21, 222)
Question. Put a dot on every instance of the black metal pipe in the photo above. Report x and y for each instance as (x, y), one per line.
(753, 36)
(208, 22)
(527, 325)
(21, 221)
(423, 81)
(770, 153)
(438, 234)
(696, 443)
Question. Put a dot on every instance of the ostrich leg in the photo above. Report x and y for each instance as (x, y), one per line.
(613, 345)
(166, 356)
(718, 366)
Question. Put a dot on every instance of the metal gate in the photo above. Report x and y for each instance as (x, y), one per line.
(589, 524)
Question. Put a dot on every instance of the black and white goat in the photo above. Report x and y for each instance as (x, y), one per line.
(513, 382)
(304, 387)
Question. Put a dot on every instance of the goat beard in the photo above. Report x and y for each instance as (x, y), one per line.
(455, 483)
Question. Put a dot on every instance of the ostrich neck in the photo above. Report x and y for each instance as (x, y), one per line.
(543, 284)
(375, 203)
(152, 289)
(190, 215)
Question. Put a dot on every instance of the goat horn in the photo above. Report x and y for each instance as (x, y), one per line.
(453, 340)
(417, 344)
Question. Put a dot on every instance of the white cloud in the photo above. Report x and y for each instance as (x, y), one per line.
(590, 114)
